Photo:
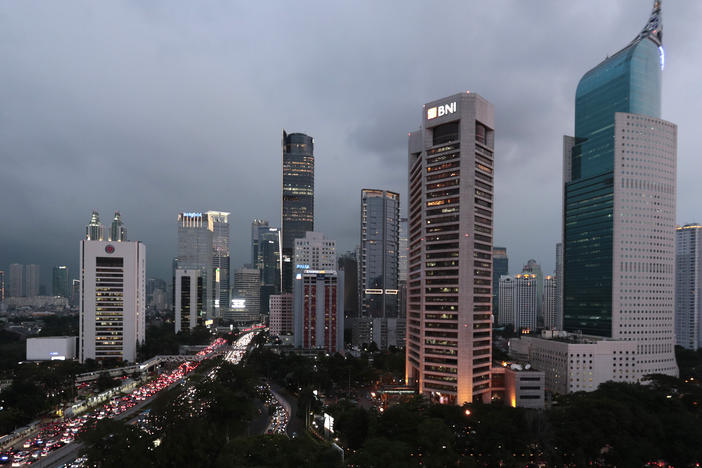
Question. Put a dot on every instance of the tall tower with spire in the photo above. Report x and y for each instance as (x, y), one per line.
(619, 205)
(118, 231)
(95, 230)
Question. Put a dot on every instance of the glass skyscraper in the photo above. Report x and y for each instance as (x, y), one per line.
(298, 197)
(619, 203)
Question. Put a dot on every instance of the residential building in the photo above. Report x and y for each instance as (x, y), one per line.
(298, 198)
(505, 287)
(449, 299)
(16, 288)
(32, 279)
(534, 268)
(619, 205)
(281, 314)
(688, 286)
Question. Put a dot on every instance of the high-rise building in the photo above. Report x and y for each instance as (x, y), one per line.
(113, 299)
(16, 288)
(500, 268)
(298, 197)
(403, 250)
(519, 310)
(2, 286)
(118, 232)
(619, 204)
(281, 314)
(75, 293)
(95, 230)
(314, 251)
(32, 280)
(220, 259)
(534, 268)
(195, 251)
(60, 284)
(506, 298)
(450, 204)
(688, 286)
(348, 263)
(267, 250)
(188, 300)
(558, 324)
(549, 307)
(319, 310)
(256, 226)
(247, 286)
(379, 252)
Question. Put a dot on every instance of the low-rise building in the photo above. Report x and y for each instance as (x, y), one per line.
(51, 348)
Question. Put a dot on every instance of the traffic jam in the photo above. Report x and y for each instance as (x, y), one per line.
(54, 435)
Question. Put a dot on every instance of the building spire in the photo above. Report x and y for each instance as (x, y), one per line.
(654, 28)
(95, 230)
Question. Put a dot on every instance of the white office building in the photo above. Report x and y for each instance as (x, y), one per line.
(688, 286)
(189, 293)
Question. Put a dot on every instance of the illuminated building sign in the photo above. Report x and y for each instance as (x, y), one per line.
(439, 111)
(238, 303)
(302, 267)
(192, 215)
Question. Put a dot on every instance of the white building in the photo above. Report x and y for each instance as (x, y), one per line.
(188, 305)
(506, 300)
(51, 348)
(575, 363)
(112, 299)
(518, 301)
(314, 252)
(688, 286)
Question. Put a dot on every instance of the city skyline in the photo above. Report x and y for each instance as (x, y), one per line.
(358, 122)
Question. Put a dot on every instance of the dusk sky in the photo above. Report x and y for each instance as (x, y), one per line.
(157, 107)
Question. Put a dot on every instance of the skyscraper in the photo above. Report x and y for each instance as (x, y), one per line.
(534, 268)
(16, 288)
(256, 226)
(449, 298)
(558, 324)
(298, 197)
(550, 302)
(266, 248)
(619, 204)
(2, 286)
(247, 286)
(319, 310)
(500, 268)
(519, 310)
(60, 284)
(31, 280)
(118, 232)
(195, 251)
(688, 286)
(188, 298)
(113, 299)
(314, 251)
(95, 230)
(379, 248)
(219, 221)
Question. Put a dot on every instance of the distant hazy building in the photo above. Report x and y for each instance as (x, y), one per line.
(521, 309)
(688, 286)
(450, 210)
(298, 197)
(75, 293)
(506, 300)
(2, 286)
(318, 310)
(550, 299)
(379, 256)
(348, 263)
(188, 300)
(118, 232)
(281, 314)
(113, 299)
(60, 284)
(16, 288)
(247, 286)
(95, 230)
(535, 269)
(500, 268)
(558, 325)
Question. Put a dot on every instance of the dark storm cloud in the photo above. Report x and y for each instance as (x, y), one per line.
(158, 107)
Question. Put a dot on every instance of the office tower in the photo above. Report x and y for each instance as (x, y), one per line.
(506, 300)
(403, 250)
(298, 197)
(247, 286)
(16, 288)
(118, 231)
(256, 226)
(535, 268)
(219, 221)
(379, 252)
(500, 268)
(558, 324)
(549, 307)
(75, 292)
(519, 310)
(688, 286)
(2, 286)
(314, 251)
(113, 299)
(619, 200)
(268, 262)
(31, 280)
(449, 298)
(281, 314)
(195, 251)
(188, 299)
(60, 285)
(95, 230)
(318, 310)
(348, 263)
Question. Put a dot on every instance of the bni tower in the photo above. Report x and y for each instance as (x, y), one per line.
(449, 292)
(619, 205)
(298, 198)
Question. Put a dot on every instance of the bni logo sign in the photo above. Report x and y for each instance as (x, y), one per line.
(438, 111)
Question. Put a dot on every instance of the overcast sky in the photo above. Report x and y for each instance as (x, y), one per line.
(156, 107)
